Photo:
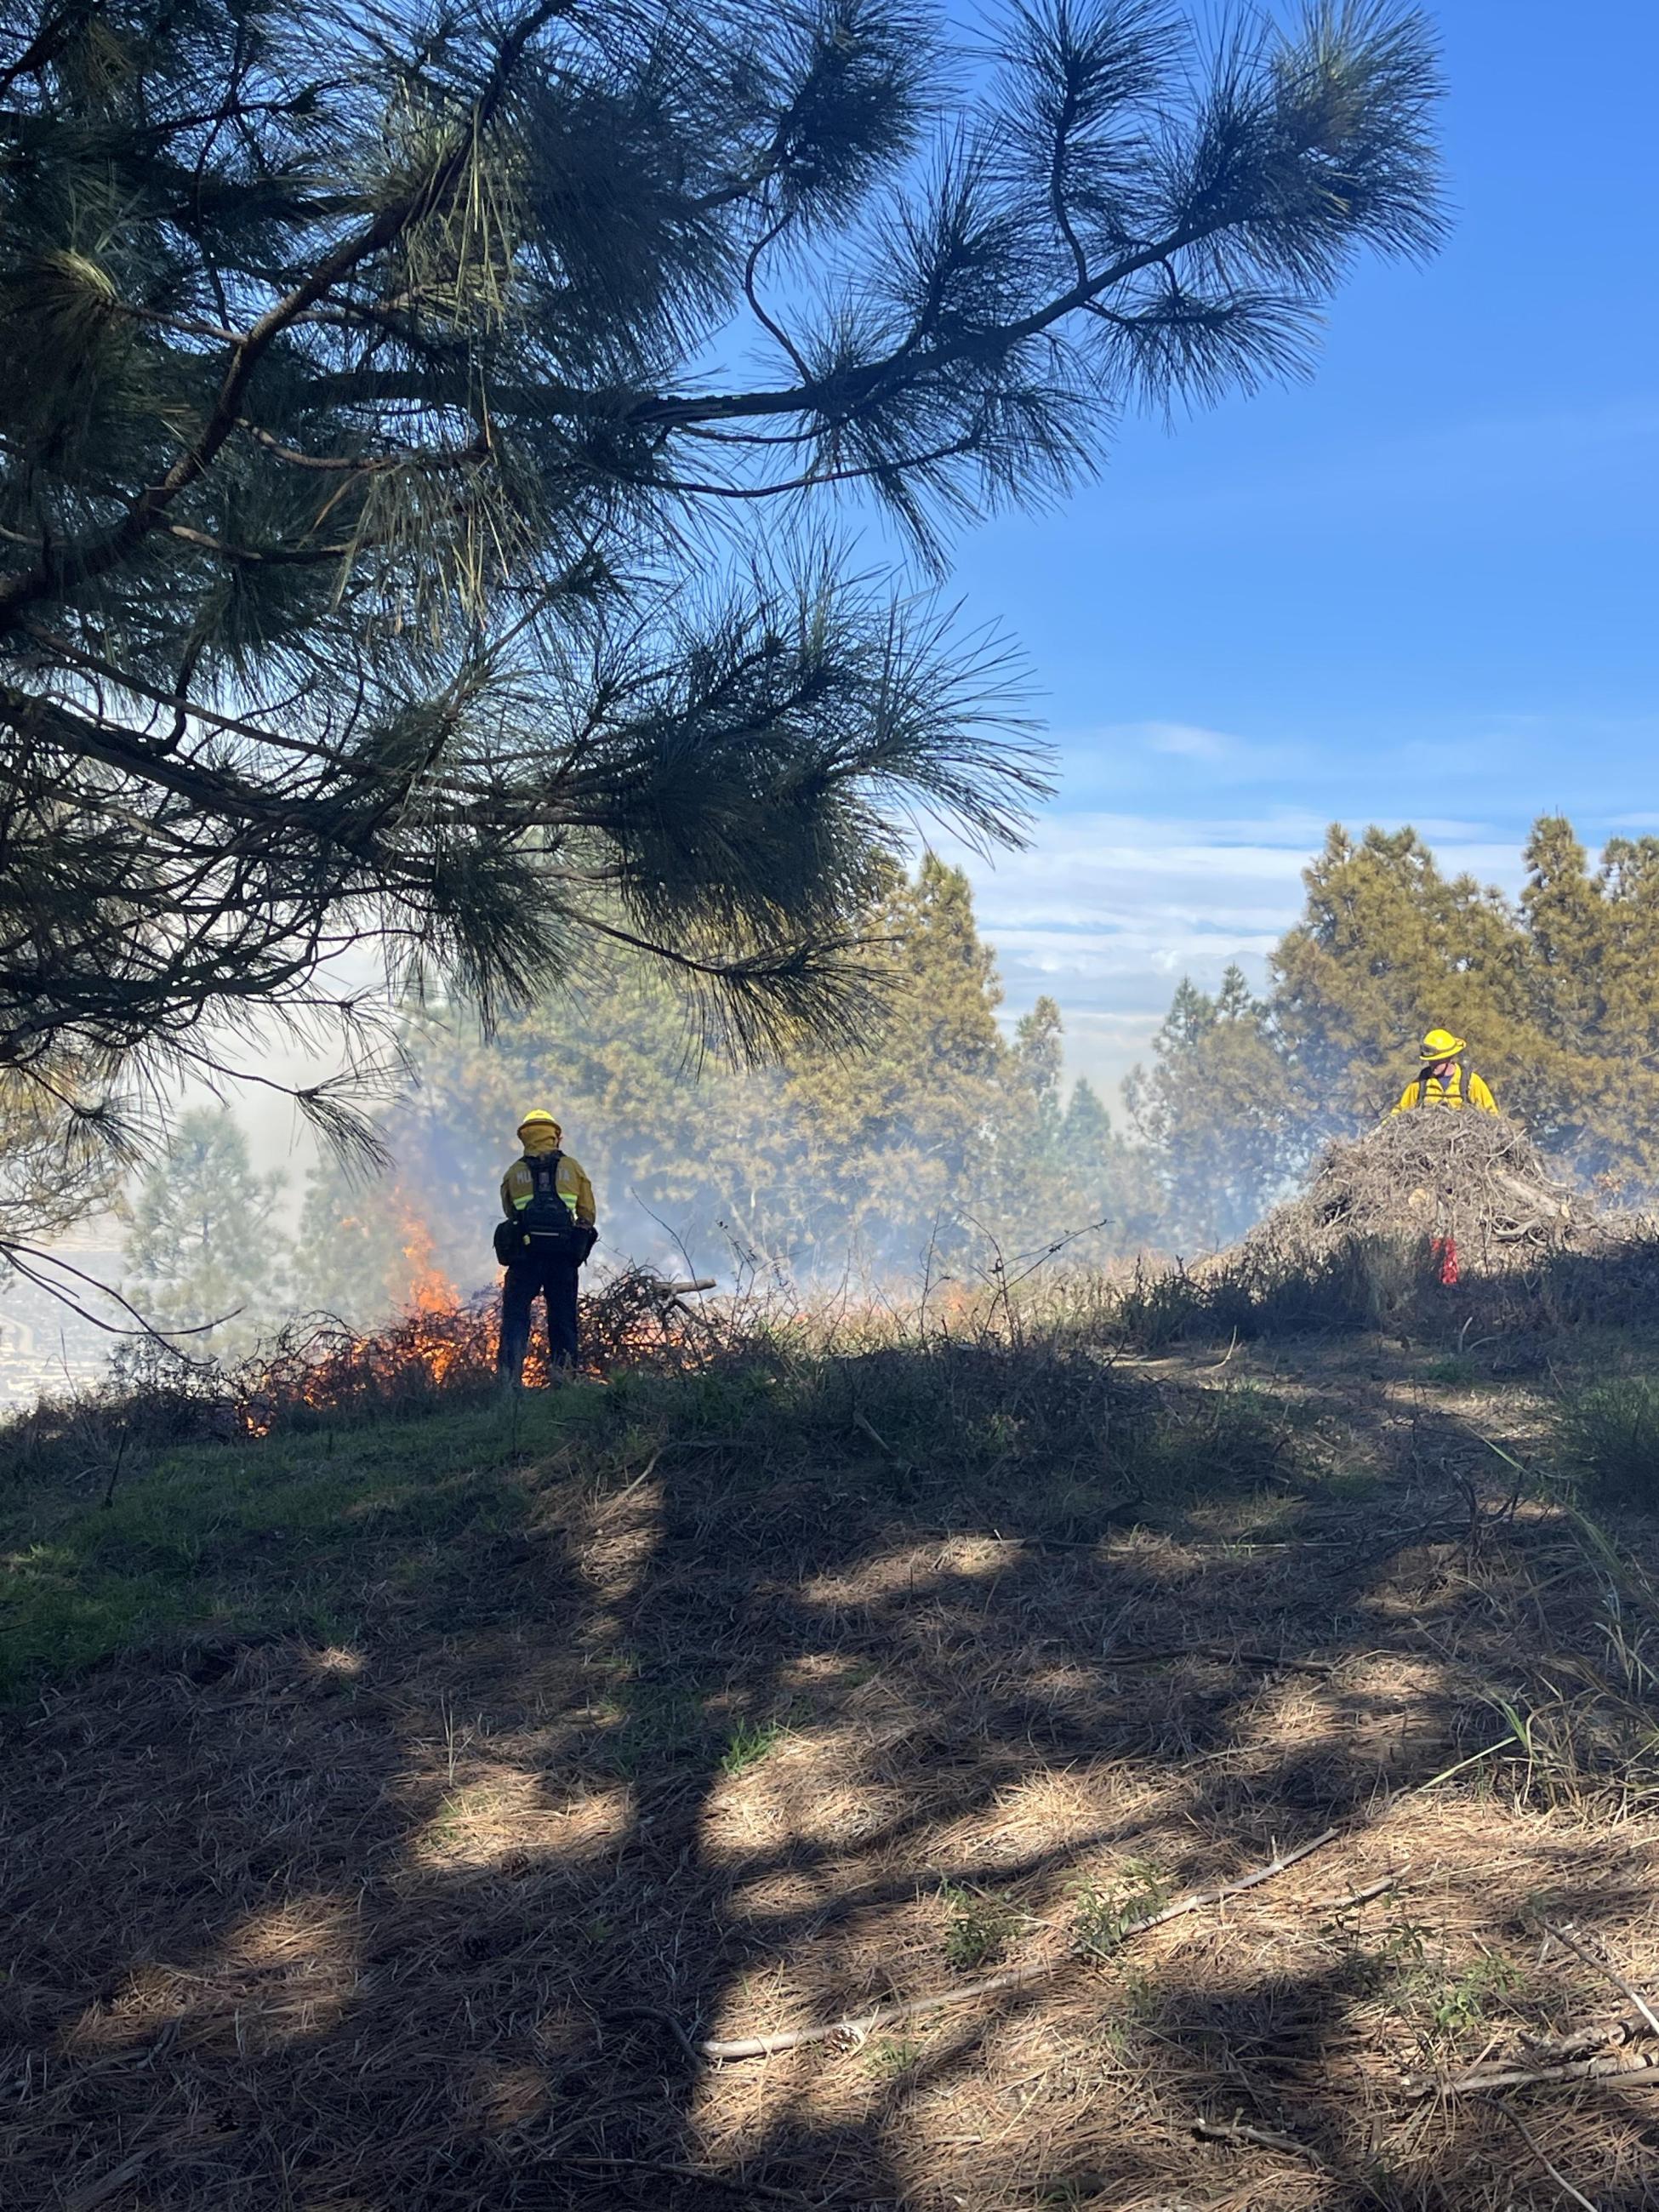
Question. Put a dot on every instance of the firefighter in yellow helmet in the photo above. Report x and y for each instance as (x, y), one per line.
(546, 1234)
(1441, 1079)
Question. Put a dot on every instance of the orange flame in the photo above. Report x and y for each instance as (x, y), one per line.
(430, 1289)
(440, 1338)
(430, 1298)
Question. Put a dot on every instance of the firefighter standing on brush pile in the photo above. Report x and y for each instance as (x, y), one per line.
(1442, 1080)
(547, 1233)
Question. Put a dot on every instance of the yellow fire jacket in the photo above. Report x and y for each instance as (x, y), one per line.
(517, 1188)
(1447, 1094)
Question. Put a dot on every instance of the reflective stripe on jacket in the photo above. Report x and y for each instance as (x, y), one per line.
(518, 1188)
(1429, 1090)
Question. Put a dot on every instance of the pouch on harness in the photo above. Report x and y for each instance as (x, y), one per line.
(545, 1228)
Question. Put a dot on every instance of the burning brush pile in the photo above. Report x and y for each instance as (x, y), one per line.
(1473, 1185)
(441, 1343)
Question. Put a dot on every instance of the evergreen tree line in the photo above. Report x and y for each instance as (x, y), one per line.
(942, 1141)
(937, 1136)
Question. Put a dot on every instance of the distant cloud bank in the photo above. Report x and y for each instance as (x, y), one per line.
(1106, 911)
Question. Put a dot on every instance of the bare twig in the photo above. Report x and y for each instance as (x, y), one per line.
(115, 1471)
(1241, 2131)
(1636, 2071)
(669, 1445)
(1364, 1896)
(19, 1256)
(1533, 2146)
(1568, 1941)
(1602, 2035)
(874, 1434)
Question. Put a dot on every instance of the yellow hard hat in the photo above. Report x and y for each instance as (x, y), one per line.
(537, 1118)
(1441, 1044)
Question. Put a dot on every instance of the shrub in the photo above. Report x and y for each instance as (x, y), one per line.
(1101, 1920)
(979, 1927)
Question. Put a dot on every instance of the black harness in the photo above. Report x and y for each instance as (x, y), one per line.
(545, 1227)
(1459, 1078)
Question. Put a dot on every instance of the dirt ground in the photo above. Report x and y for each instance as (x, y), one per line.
(444, 1917)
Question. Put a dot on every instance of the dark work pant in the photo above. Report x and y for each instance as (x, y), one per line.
(555, 1280)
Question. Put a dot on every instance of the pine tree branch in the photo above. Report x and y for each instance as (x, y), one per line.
(838, 399)
(216, 795)
(269, 556)
(62, 571)
(332, 293)
(44, 47)
(412, 457)
(809, 479)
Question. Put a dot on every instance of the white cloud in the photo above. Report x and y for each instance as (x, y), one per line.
(1167, 760)
(1108, 911)
(1187, 742)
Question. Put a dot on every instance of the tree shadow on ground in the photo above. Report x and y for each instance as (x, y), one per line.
(725, 1741)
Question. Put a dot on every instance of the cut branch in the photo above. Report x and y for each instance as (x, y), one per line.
(857, 2025)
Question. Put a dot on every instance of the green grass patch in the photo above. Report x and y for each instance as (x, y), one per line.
(892, 2058)
(1103, 1918)
(1465, 2000)
(317, 1532)
(978, 1927)
(1453, 1370)
(282, 1536)
(749, 1743)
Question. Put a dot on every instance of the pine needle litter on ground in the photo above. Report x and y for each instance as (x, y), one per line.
(1119, 1787)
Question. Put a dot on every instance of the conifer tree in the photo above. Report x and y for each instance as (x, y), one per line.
(1040, 1055)
(1216, 1111)
(368, 478)
(350, 1252)
(1628, 1101)
(1085, 1131)
(1071, 1176)
(1112, 1179)
(202, 1249)
(1591, 957)
(1387, 947)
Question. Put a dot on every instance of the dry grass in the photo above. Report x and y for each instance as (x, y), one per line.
(764, 1697)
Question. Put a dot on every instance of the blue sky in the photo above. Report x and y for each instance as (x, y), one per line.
(1419, 588)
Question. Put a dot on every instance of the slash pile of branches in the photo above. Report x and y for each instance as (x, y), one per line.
(1477, 1178)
